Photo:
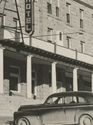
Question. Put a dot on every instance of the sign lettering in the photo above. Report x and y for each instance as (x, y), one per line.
(28, 16)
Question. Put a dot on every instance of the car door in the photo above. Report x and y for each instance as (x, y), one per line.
(54, 115)
(70, 109)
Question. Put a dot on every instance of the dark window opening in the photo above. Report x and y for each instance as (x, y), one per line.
(60, 36)
(68, 12)
(49, 8)
(81, 18)
(57, 11)
(68, 18)
(68, 42)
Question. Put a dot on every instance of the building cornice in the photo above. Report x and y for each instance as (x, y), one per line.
(83, 3)
(33, 50)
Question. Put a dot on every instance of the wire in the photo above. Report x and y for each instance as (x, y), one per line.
(62, 34)
(10, 29)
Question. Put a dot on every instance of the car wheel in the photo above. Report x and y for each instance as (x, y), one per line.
(86, 120)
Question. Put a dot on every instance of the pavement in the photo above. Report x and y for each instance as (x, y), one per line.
(4, 120)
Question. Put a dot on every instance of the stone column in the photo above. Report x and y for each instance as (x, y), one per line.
(1, 70)
(29, 76)
(54, 80)
(92, 82)
(75, 79)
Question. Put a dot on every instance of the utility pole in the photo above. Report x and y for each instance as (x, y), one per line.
(19, 21)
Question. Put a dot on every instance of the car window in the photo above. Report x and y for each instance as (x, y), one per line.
(52, 100)
(70, 99)
(81, 100)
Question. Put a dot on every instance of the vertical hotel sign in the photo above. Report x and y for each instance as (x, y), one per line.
(29, 16)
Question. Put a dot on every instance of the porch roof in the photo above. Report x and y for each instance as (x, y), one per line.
(33, 50)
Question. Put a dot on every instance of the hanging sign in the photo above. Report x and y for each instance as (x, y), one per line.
(29, 16)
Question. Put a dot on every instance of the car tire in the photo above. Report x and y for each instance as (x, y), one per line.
(86, 120)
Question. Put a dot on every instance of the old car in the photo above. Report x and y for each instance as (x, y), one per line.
(66, 108)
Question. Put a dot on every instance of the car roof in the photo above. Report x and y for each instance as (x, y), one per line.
(73, 93)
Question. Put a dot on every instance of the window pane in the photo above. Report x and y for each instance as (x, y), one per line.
(49, 8)
(57, 11)
(49, 33)
(68, 18)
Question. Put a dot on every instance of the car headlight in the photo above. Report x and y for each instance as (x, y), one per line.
(23, 121)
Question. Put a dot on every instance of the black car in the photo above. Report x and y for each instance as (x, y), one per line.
(66, 108)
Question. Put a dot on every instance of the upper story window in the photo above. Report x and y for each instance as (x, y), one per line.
(59, 38)
(82, 46)
(57, 8)
(81, 18)
(1, 20)
(68, 42)
(57, 11)
(68, 6)
(92, 19)
(17, 33)
(49, 8)
(49, 34)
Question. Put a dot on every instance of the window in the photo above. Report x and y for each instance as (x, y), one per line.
(82, 46)
(14, 78)
(92, 15)
(49, 8)
(17, 33)
(81, 100)
(70, 100)
(57, 11)
(81, 18)
(60, 36)
(1, 20)
(49, 34)
(34, 82)
(68, 12)
(68, 42)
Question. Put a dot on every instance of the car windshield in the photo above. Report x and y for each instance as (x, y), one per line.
(69, 99)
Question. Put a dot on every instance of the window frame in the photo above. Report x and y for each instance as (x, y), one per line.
(68, 38)
(49, 8)
(82, 46)
(49, 34)
(68, 13)
(81, 18)
(57, 11)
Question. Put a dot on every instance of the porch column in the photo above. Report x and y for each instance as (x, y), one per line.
(54, 81)
(29, 76)
(75, 79)
(1, 70)
(92, 82)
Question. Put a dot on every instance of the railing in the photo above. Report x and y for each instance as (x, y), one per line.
(54, 48)
(61, 50)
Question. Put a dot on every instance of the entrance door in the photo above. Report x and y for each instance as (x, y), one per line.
(13, 83)
(14, 78)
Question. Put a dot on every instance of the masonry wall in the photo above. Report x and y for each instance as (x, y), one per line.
(44, 20)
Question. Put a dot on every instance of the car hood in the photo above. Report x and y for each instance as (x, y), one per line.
(35, 109)
(32, 107)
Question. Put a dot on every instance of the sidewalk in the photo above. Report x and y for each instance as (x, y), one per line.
(4, 120)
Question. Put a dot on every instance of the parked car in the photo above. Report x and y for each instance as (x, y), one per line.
(66, 108)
